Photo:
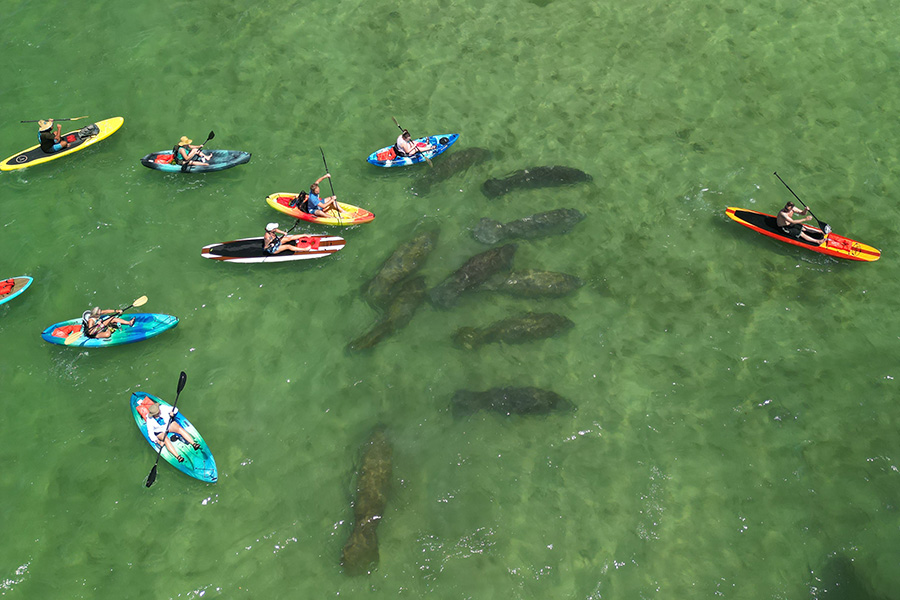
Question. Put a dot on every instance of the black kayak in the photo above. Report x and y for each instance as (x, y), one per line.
(221, 159)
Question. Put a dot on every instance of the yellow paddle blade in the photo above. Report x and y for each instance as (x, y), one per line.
(72, 337)
(140, 301)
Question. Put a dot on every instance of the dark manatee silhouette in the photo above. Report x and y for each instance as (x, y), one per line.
(534, 177)
(449, 166)
(840, 581)
(406, 260)
(553, 222)
(509, 401)
(397, 315)
(534, 284)
(373, 482)
(473, 273)
(514, 330)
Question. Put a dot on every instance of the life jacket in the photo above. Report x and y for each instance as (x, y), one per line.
(176, 157)
(7, 286)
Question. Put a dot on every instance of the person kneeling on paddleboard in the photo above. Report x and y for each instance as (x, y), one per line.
(317, 206)
(274, 244)
(50, 140)
(94, 327)
(160, 419)
(406, 147)
(795, 227)
(185, 152)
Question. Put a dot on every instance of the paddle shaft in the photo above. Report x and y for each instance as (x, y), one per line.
(428, 160)
(76, 334)
(182, 380)
(821, 224)
(336, 209)
(69, 119)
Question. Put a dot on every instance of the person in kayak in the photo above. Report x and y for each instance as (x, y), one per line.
(405, 146)
(50, 140)
(185, 152)
(273, 244)
(795, 227)
(160, 419)
(317, 206)
(93, 326)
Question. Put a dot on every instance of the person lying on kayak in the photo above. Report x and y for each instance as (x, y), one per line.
(93, 326)
(795, 227)
(50, 140)
(273, 244)
(317, 206)
(406, 147)
(159, 419)
(185, 152)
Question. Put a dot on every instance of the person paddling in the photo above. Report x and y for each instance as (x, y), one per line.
(795, 227)
(93, 326)
(51, 141)
(405, 146)
(317, 206)
(186, 153)
(160, 420)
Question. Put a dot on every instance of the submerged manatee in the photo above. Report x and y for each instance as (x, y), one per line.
(509, 401)
(397, 315)
(405, 261)
(553, 222)
(451, 165)
(534, 284)
(515, 330)
(535, 177)
(473, 273)
(373, 481)
(840, 581)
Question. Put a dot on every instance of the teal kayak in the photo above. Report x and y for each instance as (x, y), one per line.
(68, 333)
(198, 463)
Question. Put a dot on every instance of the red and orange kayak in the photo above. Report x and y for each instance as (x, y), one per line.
(833, 245)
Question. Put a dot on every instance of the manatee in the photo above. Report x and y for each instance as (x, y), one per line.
(405, 261)
(514, 330)
(451, 165)
(473, 273)
(373, 481)
(554, 222)
(534, 284)
(840, 581)
(535, 177)
(508, 401)
(398, 314)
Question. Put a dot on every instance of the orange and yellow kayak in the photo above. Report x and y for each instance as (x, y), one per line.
(833, 244)
(351, 215)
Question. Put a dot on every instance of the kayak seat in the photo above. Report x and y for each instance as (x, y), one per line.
(389, 154)
(164, 159)
(64, 332)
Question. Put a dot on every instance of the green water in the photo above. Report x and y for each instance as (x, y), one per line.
(736, 424)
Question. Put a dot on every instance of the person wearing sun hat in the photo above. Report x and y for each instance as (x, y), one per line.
(273, 244)
(50, 140)
(186, 152)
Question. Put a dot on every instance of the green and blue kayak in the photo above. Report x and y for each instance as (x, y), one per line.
(198, 463)
(68, 333)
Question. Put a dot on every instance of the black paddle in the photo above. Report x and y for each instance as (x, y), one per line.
(152, 476)
(337, 210)
(70, 119)
(187, 164)
(428, 160)
(826, 228)
(76, 334)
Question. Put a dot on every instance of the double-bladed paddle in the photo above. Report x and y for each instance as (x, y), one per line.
(72, 337)
(187, 164)
(152, 476)
(69, 119)
(428, 160)
(826, 228)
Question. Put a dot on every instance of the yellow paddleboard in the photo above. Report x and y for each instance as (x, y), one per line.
(36, 156)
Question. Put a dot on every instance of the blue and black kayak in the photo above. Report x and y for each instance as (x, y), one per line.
(146, 325)
(198, 463)
(12, 287)
(388, 157)
(220, 160)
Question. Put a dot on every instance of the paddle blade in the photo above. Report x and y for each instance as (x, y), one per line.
(140, 301)
(212, 134)
(182, 379)
(396, 123)
(826, 228)
(151, 477)
(72, 337)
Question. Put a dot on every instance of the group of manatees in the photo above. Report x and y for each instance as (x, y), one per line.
(397, 290)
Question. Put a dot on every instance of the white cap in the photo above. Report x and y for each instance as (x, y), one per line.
(271, 226)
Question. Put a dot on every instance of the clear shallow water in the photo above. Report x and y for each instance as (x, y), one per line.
(735, 422)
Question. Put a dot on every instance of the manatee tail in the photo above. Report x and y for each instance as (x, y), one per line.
(464, 403)
(468, 338)
(488, 231)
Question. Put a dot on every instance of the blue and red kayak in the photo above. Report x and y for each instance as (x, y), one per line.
(221, 159)
(68, 333)
(387, 156)
(198, 463)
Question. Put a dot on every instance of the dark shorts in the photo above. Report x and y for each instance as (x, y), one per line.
(793, 230)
